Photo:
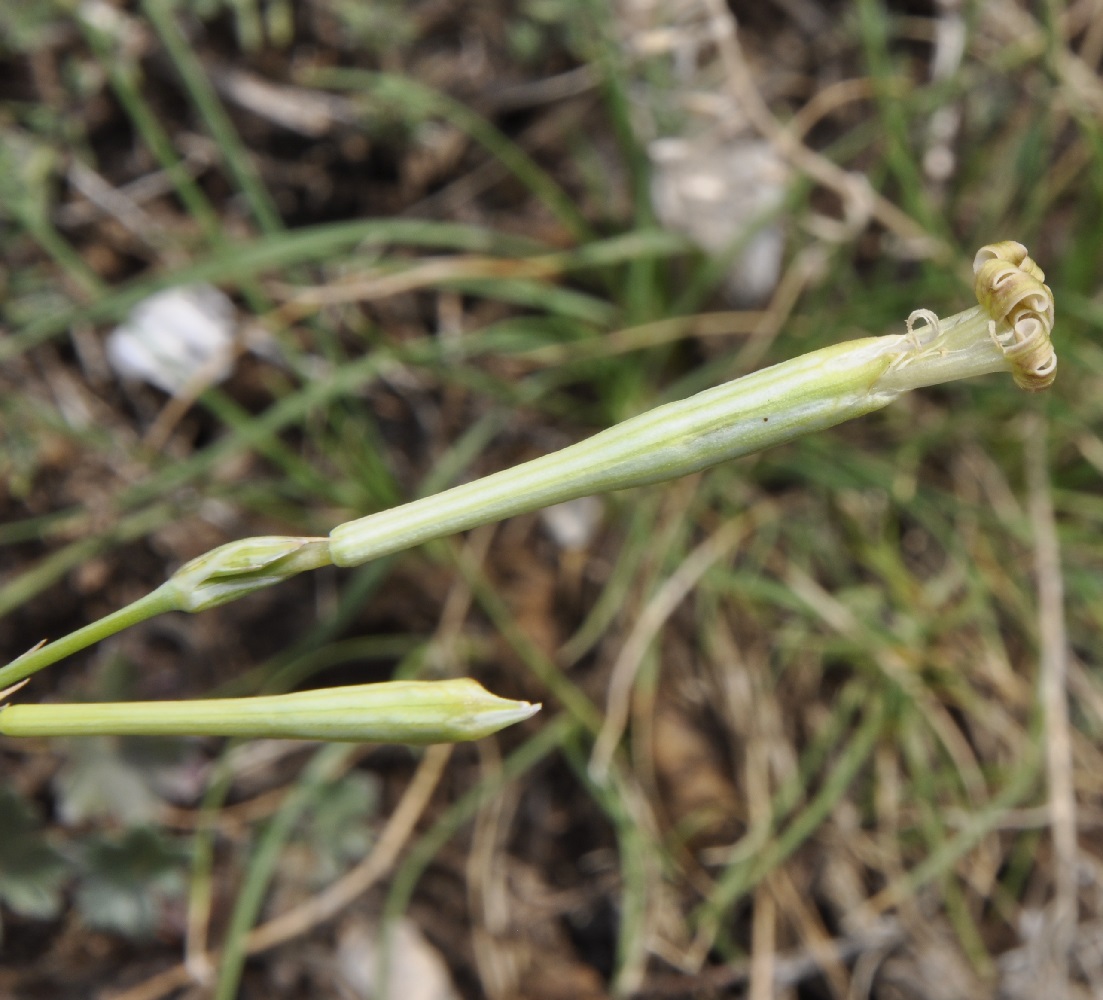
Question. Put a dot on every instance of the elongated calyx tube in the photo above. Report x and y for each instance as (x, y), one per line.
(240, 567)
(414, 712)
(1009, 330)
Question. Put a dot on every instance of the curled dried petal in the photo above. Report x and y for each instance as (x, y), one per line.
(1010, 287)
(929, 332)
(1012, 252)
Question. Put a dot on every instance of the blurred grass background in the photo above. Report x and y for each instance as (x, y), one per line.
(863, 690)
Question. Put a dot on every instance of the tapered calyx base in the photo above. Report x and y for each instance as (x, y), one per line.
(242, 566)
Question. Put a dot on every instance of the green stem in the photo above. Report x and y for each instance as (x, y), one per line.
(157, 602)
(216, 577)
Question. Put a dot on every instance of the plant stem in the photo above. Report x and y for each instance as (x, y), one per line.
(216, 577)
(156, 602)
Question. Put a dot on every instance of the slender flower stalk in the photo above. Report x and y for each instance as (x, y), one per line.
(415, 712)
(1009, 331)
(224, 574)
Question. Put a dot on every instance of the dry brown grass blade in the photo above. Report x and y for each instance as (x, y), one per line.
(372, 285)
(647, 626)
(332, 900)
(1053, 684)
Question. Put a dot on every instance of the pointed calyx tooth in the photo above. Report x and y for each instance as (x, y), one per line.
(1011, 288)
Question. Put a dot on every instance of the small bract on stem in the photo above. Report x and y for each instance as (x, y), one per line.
(1009, 330)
